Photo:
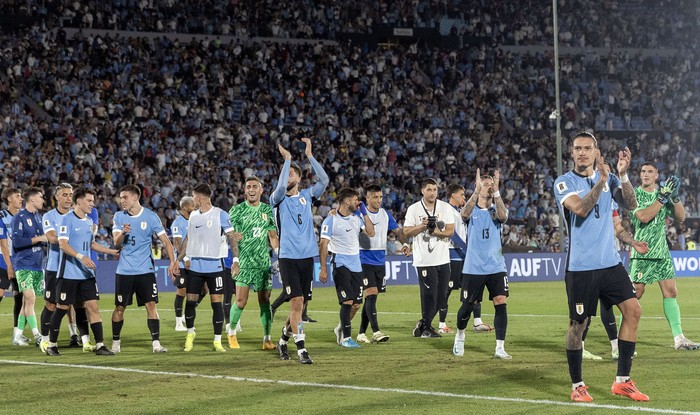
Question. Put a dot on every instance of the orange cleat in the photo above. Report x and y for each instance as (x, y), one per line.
(580, 394)
(628, 389)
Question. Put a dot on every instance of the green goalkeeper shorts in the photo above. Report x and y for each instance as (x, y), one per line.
(259, 278)
(649, 271)
(30, 280)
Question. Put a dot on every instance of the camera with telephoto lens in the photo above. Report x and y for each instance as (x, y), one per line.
(432, 223)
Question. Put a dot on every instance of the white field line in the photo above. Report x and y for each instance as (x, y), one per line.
(541, 402)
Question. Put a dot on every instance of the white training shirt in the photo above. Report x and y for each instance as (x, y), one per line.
(429, 250)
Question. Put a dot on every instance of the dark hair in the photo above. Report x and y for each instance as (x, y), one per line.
(9, 192)
(131, 188)
(203, 189)
(454, 188)
(373, 188)
(589, 135)
(652, 164)
(31, 191)
(253, 179)
(296, 168)
(427, 182)
(81, 192)
(345, 194)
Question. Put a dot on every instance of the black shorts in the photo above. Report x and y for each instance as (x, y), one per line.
(297, 277)
(348, 285)
(50, 281)
(4, 279)
(229, 285)
(181, 280)
(374, 276)
(473, 286)
(214, 281)
(583, 289)
(455, 275)
(143, 285)
(72, 292)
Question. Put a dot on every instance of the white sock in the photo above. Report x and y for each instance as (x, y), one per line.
(621, 379)
(477, 321)
(53, 344)
(36, 332)
(156, 343)
(300, 351)
(238, 326)
(613, 344)
(500, 344)
(582, 347)
(282, 341)
(116, 343)
(227, 327)
(442, 325)
(231, 332)
(180, 320)
(44, 338)
(85, 339)
(73, 329)
(190, 331)
(576, 385)
(679, 338)
(460, 334)
(98, 345)
(267, 338)
(217, 337)
(299, 337)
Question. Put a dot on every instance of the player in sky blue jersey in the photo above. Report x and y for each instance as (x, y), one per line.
(298, 245)
(340, 237)
(484, 264)
(133, 232)
(178, 230)
(13, 198)
(209, 238)
(28, 244)
(75, 282)
(594, 270)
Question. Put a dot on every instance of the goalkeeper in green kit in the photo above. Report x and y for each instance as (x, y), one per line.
(649, 221)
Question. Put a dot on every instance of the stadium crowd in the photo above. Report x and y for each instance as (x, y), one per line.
(168, 114)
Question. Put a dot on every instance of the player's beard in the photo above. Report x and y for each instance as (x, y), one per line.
(290, 186)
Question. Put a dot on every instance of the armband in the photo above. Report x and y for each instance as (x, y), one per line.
(80, 256)
(496, 194)
(625, 178)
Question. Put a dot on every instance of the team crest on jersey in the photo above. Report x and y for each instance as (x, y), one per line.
(264, 216)
(47, 223)
(342, 293)
(561, 187)
(63, 296)
(579, 309)
(175, 229)
(29, 222)
(119, 298)
(210, 223)
(63, 229)
(302, 201)
(144, 225)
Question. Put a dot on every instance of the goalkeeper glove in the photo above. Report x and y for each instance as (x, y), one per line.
(674, 194)
(666, 190)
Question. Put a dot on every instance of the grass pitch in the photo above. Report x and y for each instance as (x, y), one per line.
(404, 375)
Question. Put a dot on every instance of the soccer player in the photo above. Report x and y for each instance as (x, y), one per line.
(75, 279)
(340, 237)
(5, 282)
(649, 221)
(179, 231)
(208, 231)
(28, 241)
(372, 257)
(255, 221)
(431, 223)
(298, 246)
(484, 265)
(458, 248)
(594, 269)
(13, 198)
(133, 231)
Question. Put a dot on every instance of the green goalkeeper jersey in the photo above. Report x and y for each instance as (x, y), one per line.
(654, 231)
(253, 222)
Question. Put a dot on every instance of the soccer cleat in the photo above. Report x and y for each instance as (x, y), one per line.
(37, 339)
(104, 351)
(458, 347)
(233, 342)
(19, 341)
(52, 351)
(418, 331)
(268, 345)
(628, 389)
(179, 326)
(159, 349)
(218, 347)
(304, 358)
(483, 327)
(88, 347)
(116, 346)
(430, 333)
(580, 394)
(362, 338)
(307, 319)
(501, 354)
(189, 342)
(282, 350)
(338, 334)
(615, 354)
(75, 341)
(43, 346)
(686, 344)
(590, 356)
(379, 337)
(349, 343)
(445, 330)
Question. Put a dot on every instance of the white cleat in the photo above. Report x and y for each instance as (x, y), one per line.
(458, 348)
(483, 327)
(361, 338)
(686, 344)
(19, 341)
(501, 354)
(157, 349)
(116, 346)
(590, 356)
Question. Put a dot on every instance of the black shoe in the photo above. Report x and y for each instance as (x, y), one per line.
(75, 341)
(53, 351)
(304, 358)
(282, 350)
(433, 332)
(429, 334)
(307, 319)
(418, 331)
(104, 351)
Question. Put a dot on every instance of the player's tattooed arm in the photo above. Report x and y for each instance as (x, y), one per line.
(501, 210)
(182, 251)
(232, 243)
(628, 196)
(474, 198)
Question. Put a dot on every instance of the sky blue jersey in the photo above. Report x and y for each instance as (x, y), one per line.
(136, 256)
(78, 233)
(50, 222)
(484, 250)
(179, 230)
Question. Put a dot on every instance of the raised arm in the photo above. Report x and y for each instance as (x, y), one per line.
(629, 199)
(468, 207)
(281, 189)
(320, 186)
(501, 211)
